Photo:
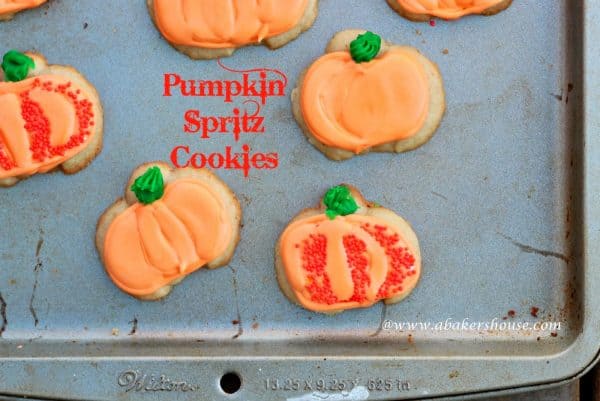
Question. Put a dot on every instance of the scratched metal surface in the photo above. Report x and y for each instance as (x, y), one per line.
(497, 199)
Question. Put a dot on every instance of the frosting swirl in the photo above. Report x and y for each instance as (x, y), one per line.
(365, 47)
(149, 187)
(16, 65)
(339, 202)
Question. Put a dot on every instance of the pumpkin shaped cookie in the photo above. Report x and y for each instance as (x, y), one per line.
(50, 117)
(208, 29)
(367, 95)
(347, 253)
(8, 8)
(171, 223)
(424, 10)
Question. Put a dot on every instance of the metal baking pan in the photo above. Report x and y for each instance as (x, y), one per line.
(504, 199)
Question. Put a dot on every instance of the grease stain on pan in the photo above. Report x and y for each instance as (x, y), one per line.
(359, 393)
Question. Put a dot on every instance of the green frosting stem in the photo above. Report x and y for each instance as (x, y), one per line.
(150, 186)
(16, 66)
(365, 47)
(339, 202)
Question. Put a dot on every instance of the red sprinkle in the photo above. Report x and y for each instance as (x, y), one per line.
(534, 311)
(401, 260)
(38, 125)
(314, 260)
(5, 162)
(432, 22)
(358, 262)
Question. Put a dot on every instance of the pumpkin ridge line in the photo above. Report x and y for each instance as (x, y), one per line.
(235, 12)
(162, 233)
(142, 245)
(183, 15)
(5, 146)
(189, 232)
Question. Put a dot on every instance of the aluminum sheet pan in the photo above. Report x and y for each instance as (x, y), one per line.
(504, 200)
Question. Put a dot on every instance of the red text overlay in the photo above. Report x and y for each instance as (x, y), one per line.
(247, 93)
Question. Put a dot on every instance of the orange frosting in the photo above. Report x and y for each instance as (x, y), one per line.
(11, 6)
(43, 121)
(225, 23)
(349, 262)
(148, 246)
(355, 106)
(447, 9)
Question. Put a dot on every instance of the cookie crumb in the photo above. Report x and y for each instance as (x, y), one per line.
(534, 311)
(115, 332)
(445, 51)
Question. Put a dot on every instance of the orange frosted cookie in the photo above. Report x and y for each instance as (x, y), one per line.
(171, 223)
(367, 95)
(347, 253)
(8, 8)
(424, 10)
(50, 117)
(207, 29)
